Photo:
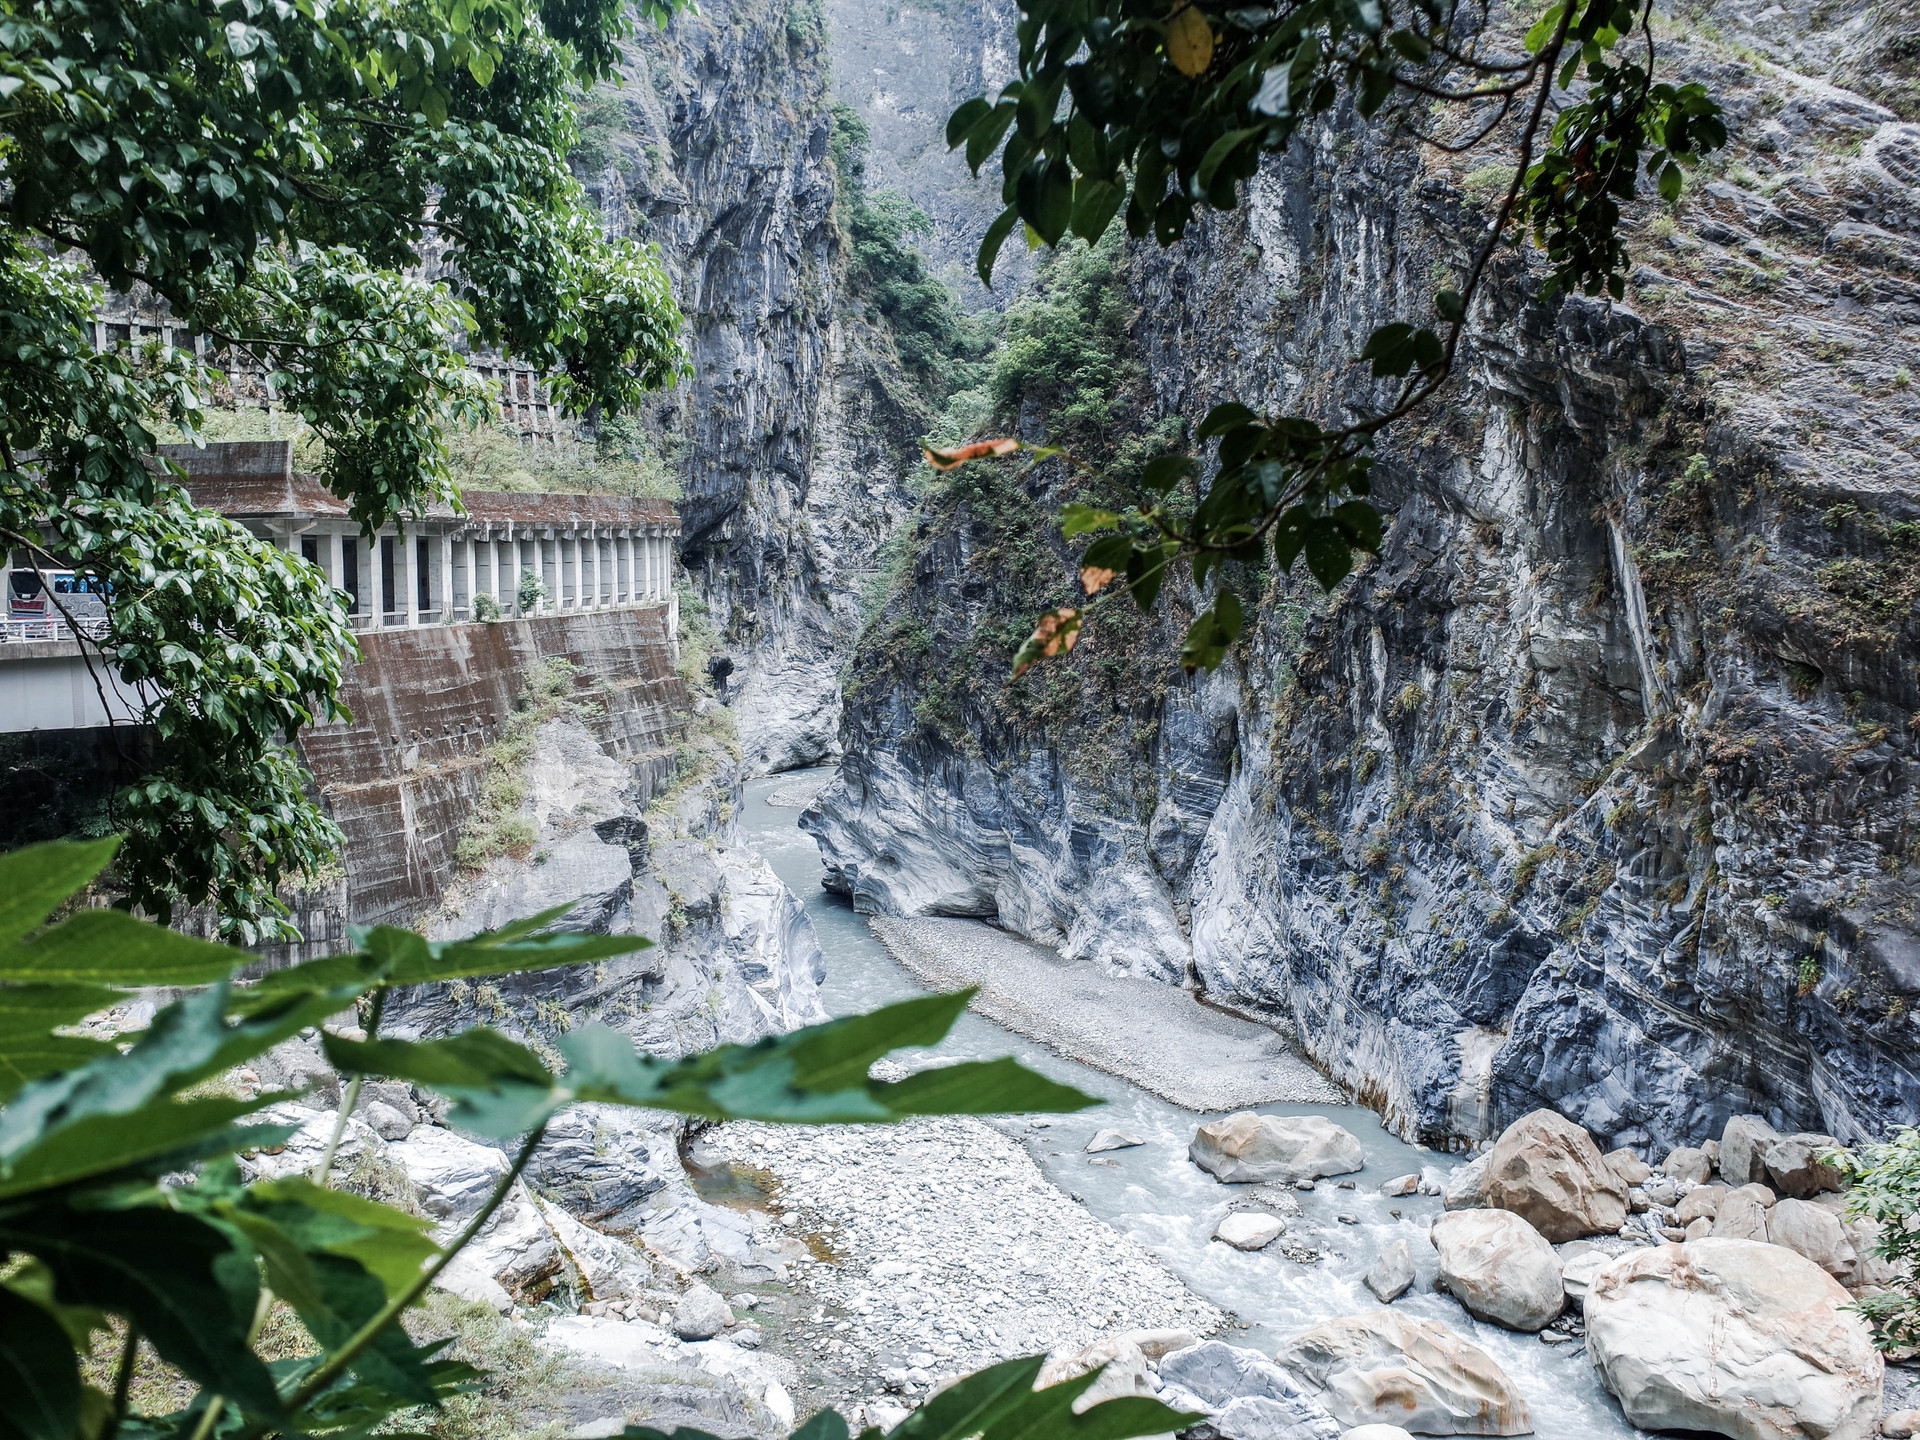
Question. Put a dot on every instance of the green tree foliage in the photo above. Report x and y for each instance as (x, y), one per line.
(276, 175)
(1885, 1188)
(1124, 109)
(121, 1202)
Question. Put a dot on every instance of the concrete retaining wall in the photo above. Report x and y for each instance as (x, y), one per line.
(403, 775)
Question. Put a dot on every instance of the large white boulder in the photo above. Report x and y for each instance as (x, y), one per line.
(1249, 1229)
(1815, 1232)
(1499, 1267)
(453, 1177)
(1734, 1337)
(1221, 1377)
(1795, 1168)
(1742, 1213)
(1246, 1148)
(1547, 1170)
(1466, 1187)
(1391, 1274)
(1387, 1368)
(1122, 1365)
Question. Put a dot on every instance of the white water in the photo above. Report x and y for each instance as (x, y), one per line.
(1169, 1204)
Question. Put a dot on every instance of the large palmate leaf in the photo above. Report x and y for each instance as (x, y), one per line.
(813, 1076)
(35, 879)
(998, 1403)
(178, 1278)
(39, 1374)
(116, 1109)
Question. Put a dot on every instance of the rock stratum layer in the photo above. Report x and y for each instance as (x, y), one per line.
(1597, 790)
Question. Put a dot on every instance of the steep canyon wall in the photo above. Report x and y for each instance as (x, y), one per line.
(1597, 789)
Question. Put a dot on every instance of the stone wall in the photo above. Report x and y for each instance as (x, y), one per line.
(402, 776)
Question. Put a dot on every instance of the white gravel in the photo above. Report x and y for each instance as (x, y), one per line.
(951, 1251)
(1159, 1037)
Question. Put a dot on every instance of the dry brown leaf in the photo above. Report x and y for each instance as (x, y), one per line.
(979, 449)
(1094, 577)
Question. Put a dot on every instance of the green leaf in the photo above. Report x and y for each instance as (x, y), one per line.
(1672, 179)
(111, 947)
(1359, 522)
(1543, 28)
(390, 1243)
(1212, 634)
(1329, 555)
(1451, 306)
(1221, 149)
(414, 960)
(985, 136)
(995, 237)
(1412, 45)
(179, 1279)
(35, 1009)
(961, 122)
(1146, 573)
(35, 879)
(480, 65)
(39, 1374)
(1046, 198)
(1390, 348)
(1163, 472)
(1222, 418)
(980, 1087)
(1078, 519)
(1095, 203)
(28, 1057)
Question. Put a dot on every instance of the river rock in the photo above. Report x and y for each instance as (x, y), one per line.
(1112, 1140)
(1702, 1200)
(1815, 1232)
(453, 1176)
(701, 1314)
(1631, 1169)
(1466, 1187)
(1220, 1375)
(1499, 1267)
(1900, 1424)
(1245, 1148)
(1122, 1366)
(1384, 1367)
(1794, 1166)
(1734, 1337)
(1662, 1190)
(1547, 1170)
(1255, 1417)
(386, 1121)
(1687, 1165)
(1742, 1213)
(1577, 1272)
(600, 1160)
(1391, 1274)
(1376, 1432)
(1249, 1230)
(1697, 1229)
(1742, 1149)
(1401, 1185)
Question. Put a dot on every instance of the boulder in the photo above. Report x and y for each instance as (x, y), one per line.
(1384, 1367)
(598, 1160)
(1697, 1229)
(1815, 1232)
(1900, 1424)
(1391, 1274)
(1794, 1165)
(1249, 1230)
(1662, 1190)
(1158, 1344)
(463, 1278)
(1122, 1366)
(1245, 1148)
(453, 1177)
(386, 1122)
(1401, 1185)
(1702, 1200)
(1219, 1375)
(1687, 1165)
(1500, 1268)
(1465, 1188)
(1255, 1417)
(1631, 1169)
(1376, 1432)
(701, 1314)
(1742, 1149)
(1576, 1273)
(1547, 1170)
(609, 1269)
(1736, 1338)
(1112, 1140)
(1711, 1149)
(1742, 1213)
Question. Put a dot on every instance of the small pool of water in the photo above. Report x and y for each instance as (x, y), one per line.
(1163, 1200)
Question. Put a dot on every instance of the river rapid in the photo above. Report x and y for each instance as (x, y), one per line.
(1154, 1194)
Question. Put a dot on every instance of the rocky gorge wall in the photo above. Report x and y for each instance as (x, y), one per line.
(1597, 789)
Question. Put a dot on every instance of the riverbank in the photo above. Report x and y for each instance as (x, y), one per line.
(1159, 1038)
(951, 1251)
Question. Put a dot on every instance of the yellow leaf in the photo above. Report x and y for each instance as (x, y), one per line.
(1189, 42)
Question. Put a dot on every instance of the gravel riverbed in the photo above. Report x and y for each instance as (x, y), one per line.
(1160, 1038)
(950, 1251)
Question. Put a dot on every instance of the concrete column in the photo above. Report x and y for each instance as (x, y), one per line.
(374, 581)
(446, 578)
(333, 559)
(406, 588)
(623, 566)
(548, 548)
(646, 562)
(469, 573)
(593, 541)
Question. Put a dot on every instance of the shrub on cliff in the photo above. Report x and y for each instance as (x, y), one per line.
(277, 176)
(124, 1221)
